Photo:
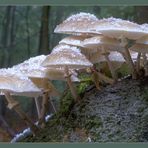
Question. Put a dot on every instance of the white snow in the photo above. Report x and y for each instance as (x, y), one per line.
(81, 16)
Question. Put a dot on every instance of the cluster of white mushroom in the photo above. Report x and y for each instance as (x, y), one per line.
(110, 39)
(92, 41)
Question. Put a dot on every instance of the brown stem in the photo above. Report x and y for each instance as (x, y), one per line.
(95, 79)
(72, 88)
(138, 62)
(45, 106)
(105, 78)
(145, 63)
(52, 105)
(114, 75)
(17, 109)
(130, 63)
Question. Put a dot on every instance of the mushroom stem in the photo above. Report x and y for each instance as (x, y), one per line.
(105, 78)
(45, 106)
(138, 62)
(95, 79)
(72, 88)
(145, 63)
(130, 63)
(114, 75)
(37, 103)
(52, 105)
(13, 104)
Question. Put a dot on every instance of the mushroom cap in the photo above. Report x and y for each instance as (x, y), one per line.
(32, 67)
(66, 56)
(17, 84)
(77, 24)
(45, 84)
(73, 40)
(59, 74)
(143, 40)
(118, 28)
(143, 48)
(144, 27)
(100, 41)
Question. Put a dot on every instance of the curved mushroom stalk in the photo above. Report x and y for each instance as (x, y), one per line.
(72, 88)
(112, 69)
(13, 104)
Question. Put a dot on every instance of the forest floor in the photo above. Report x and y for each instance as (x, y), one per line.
(116, 113)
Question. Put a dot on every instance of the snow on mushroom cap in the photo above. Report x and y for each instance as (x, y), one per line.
(81, 16)
(71, 57)
(18, 84)
(32, 67)
(144, 27)
(118, 28)
(62, 47)
(77, 24)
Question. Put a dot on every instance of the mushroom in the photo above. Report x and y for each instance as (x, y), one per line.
(77, 24)
(12, 82)
(143, 50)
(49, 90)
(143, 40)
(32, 69)
(122, 30)
(67, 57)
(59, 74)
(91, 55)
(101, 44)
(74, 40)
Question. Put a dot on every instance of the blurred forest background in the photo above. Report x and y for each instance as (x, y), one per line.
(27, 31)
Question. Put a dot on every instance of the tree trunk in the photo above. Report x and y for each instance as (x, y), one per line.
(142, 14)
(27, 30)
(44, 32)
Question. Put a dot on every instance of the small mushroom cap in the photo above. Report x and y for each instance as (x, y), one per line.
(45, 84)
(143, 40)
(68, 56)
(98, 42)
(118, 28)
(143, 48)
(77, 24)
(73, 40)
(32, 67)
(17, 84)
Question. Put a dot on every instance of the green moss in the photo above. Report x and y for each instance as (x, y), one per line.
(123, 71)
(93, 122)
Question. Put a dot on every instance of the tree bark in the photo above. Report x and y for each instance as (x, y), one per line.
(44, 32)
(27, 30)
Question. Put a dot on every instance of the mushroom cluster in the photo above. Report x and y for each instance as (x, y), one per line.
(93, 41)
(99, 38)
